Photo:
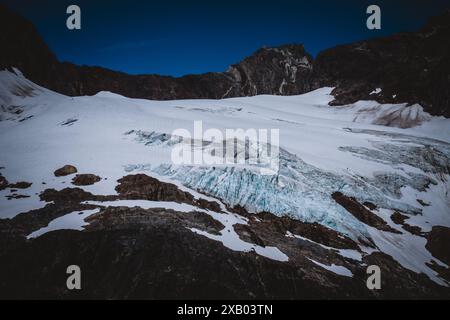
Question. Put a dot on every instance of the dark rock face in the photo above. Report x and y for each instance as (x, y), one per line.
(313, 231)
(409, 281)
(25, 49)
(399, 218)
(141, 186)
(66, 195)
(408, 67)
(127, 253)
(16, 196)
(285, 70)
(3, 183)
(370, 205)
(20, 185)
(438, 240)
(162, 261)
(362, 213)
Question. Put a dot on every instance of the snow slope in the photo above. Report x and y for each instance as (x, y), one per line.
(391, 155)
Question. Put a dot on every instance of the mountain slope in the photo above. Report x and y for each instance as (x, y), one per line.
(407, 68)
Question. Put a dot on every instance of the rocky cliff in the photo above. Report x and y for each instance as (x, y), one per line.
(405, 67)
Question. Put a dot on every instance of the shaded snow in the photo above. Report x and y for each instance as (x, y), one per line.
(73, 221)
(339, 270)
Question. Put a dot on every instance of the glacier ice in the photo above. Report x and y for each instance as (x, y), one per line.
(303, 191)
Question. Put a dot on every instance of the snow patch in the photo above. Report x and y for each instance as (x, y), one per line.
(72, 221)
(339, 270)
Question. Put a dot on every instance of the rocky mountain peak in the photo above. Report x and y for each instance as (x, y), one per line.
(402, 68)
(274, 70)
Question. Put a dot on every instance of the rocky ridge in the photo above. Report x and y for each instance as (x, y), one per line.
(402, 68)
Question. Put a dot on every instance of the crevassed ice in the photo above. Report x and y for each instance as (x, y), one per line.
(304, 191)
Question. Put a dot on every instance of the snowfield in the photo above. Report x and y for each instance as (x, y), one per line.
(391, 155)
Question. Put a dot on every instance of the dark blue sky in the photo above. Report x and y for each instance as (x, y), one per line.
(181, 37)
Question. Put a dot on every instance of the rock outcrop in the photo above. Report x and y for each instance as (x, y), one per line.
(437, 244)
(407, 67)
(65, 171)
(3, 183)
(362, 213)
(85, 179)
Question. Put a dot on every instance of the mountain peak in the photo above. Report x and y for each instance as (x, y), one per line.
(407, 67)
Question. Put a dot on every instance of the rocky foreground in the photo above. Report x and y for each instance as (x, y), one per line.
(132, 252)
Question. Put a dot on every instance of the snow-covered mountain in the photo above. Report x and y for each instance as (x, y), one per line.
(375, 175)
(405, 67)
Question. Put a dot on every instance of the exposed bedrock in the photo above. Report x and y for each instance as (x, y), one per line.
(362, 213)
(85, 179)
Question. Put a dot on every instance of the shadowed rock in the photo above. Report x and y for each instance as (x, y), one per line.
(141, 186)
(362, 213)
(438, 243)
(313, 231)
(408, 67)
(85, 179)
(399, 218)
(3, 182)
(151, 253)
(65, 171)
